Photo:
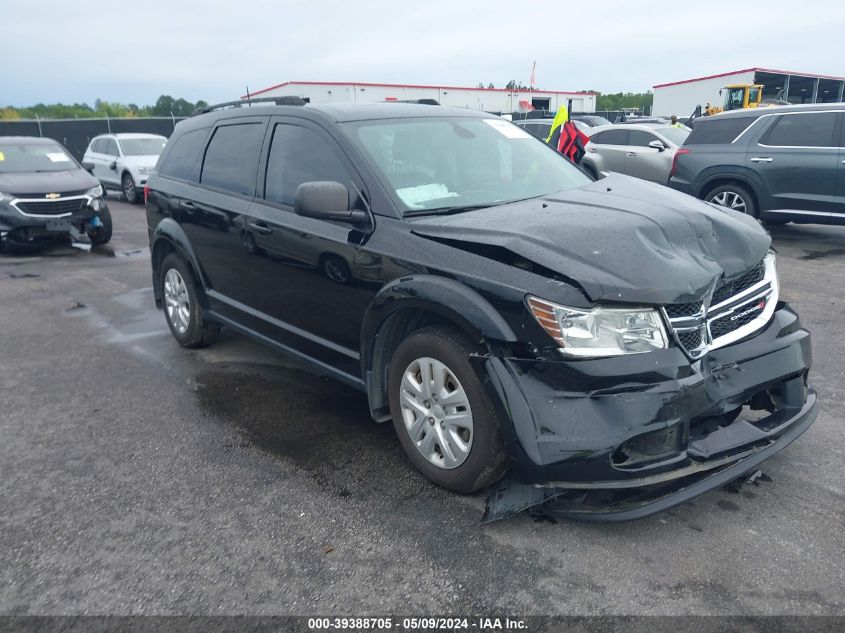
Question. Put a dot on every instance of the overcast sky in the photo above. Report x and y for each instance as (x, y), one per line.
(78, 51)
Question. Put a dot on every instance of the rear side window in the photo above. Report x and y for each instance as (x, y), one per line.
(111, 147)
(813, 129)
(299, 155)
(231, 159)
(717, 131)
(610, 137)
(182, 156)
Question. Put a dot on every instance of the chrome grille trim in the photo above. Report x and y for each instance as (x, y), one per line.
(733, 307)
(14, 203)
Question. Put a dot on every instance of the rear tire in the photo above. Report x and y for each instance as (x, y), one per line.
(734, 197)
(182, 310)
(447, 424)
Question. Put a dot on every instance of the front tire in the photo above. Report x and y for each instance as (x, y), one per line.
(130, 191)
(182, 310)
(103, 233)
(734, 197)
(445, 421)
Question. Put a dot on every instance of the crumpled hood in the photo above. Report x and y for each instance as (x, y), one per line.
(620, 238)
(39, 183)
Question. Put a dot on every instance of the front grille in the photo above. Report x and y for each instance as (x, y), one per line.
(723, 326)
(734, 313)
(677, 310)
(50, 207)
(728, 289)
(690, 340)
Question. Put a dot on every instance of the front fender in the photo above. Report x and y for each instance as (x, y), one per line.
(419, 294)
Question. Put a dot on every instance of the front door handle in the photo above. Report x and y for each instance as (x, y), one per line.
(762, 159)
(631, 154)
(260, 228)
(188, 207)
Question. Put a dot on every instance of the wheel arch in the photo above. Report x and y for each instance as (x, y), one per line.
(167, 238)
(409, 304)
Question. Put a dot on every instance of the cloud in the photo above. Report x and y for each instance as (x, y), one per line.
(214, 49)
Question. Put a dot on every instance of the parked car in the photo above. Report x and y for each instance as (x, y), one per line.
(124, 161)
(527, 319)
(644, 151)
(784, 164)
(45, 193)
(591, 120)
(541, 127)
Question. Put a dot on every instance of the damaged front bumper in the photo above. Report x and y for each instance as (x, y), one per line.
(620, 438)
(17, 227)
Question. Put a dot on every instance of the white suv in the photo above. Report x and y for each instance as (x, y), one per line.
(123, 161)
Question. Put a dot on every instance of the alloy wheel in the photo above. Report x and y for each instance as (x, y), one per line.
(176, 301)
(129, 189)
(436, 412)
(729, 199)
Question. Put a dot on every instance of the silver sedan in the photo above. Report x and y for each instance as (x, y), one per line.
(642, 150)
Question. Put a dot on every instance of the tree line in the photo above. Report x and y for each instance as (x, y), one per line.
(165, 105)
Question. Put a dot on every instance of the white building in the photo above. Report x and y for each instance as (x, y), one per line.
(487, 99)
(681, 97)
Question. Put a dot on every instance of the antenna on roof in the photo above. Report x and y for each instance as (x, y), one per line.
(248, 96)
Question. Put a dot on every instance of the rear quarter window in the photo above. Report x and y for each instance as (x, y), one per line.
(181, 158)
(718, 131)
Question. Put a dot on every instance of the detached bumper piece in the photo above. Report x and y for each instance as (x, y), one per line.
(635, 499)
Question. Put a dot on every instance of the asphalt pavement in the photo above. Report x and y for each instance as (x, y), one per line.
(137, 477)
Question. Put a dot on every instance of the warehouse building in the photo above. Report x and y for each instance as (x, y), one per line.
(681, 97)
(487, 99)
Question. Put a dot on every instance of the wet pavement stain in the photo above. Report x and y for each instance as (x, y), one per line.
(22, 275)
(833, 252)
(333, 439)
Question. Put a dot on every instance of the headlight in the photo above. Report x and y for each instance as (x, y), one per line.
(95, 192)
(5, 196)
(143, 171)
(600, 331)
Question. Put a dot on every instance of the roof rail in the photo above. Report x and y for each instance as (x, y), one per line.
(240, 103)
(420, 101)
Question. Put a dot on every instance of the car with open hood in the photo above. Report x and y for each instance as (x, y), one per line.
(515, 320)
(123, 161)
(45, 193)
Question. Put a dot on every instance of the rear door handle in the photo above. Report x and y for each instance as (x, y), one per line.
(260, 228)
(188, 207)
(631, 154)
(762, 159)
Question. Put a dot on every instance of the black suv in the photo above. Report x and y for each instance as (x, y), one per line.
(783, 164)
(504, 310)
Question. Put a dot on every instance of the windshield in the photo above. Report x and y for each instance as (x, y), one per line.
(675, 134)
(142, 146)
(20, 157)
(454, 163)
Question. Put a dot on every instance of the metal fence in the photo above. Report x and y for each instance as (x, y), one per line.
(75, 134)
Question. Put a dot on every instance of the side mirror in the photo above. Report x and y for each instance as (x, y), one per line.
(326, 200)
(113, 165)
(88, 167)
(658, 145)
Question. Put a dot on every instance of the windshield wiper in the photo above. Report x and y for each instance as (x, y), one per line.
(450, 210)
